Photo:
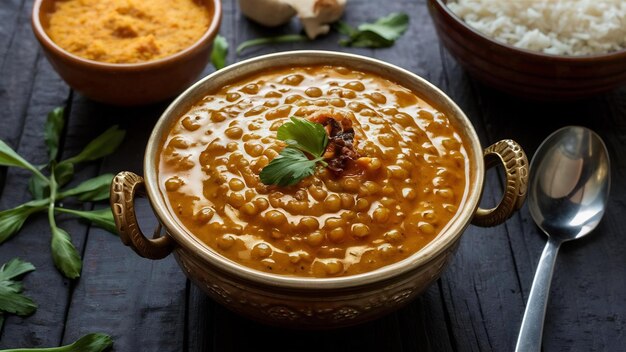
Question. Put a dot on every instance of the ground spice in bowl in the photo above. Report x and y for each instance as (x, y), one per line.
(127, 31)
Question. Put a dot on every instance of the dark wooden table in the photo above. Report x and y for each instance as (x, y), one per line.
(477, 305)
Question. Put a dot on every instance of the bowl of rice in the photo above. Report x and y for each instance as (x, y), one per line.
(540, 49)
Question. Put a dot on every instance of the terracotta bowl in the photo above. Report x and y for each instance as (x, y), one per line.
(305, 302)
(523, 72)
(127, 84)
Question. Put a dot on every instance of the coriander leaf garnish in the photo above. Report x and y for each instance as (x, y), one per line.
(219, 52)
(48, 190)
(11, 298)
(288, 168)
(292, 165)
(94, 342)
(287, 38)
(380, 34)
(305, 135)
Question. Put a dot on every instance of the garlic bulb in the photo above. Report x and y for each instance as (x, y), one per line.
(315, 15)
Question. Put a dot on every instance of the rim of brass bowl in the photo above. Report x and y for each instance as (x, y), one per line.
(442, 7)
(446, 239)
(44, 39)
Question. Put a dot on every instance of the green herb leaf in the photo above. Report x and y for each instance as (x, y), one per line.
(94, 189)
(64, 253)
(12, 220)
(219, 52)
(8, 157)
(52, 131)
(288, 168)
(12, 301)
(390, 27)
(345, 29)
(14, 268)
(63, 173)
(102, 146)
(11, 298)
(288, 38)
(380, 34)
(102, 218)
(38, 188)
(89, 343)
(305, 135)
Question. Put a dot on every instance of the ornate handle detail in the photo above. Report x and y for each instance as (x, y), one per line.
(515, 163)
(124, 187)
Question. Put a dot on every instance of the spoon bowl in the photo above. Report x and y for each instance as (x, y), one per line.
(569, 183)
(569, 187)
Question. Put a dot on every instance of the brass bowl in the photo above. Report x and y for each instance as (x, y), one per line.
(128, 84)
(305, 302)
(522, 72)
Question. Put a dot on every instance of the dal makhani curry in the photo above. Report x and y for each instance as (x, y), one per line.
(389, 178)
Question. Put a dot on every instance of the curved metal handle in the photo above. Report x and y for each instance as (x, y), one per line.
(124, 187)
(531, 331)
(515, 163)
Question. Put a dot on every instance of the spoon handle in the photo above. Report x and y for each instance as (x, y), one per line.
(529, 339)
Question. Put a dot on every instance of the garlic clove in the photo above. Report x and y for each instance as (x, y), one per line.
(270, 13)
(315, 15)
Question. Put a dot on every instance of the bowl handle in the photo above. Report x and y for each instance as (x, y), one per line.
(124, 187)
(515, 163)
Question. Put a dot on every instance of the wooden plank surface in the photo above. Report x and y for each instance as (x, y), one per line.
(145, 305)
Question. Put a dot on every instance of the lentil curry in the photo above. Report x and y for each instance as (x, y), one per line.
(407, 181)
(127, 31)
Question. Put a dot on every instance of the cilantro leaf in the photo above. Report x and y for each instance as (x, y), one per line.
(380, 34)
(288, 168)
(14, 268)
(219, 52)
(305, 135)
(11, 298)
(12, 301)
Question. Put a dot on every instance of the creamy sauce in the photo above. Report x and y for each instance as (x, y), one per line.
(324, 225)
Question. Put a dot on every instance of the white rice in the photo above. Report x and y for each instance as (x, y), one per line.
(558, 27)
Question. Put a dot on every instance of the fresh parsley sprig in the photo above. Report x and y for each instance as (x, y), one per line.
(12, 300)
(95, 342)
(48, 190)
(380, 34)
(292, 165)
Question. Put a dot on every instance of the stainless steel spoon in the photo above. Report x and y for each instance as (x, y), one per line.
(569, 187)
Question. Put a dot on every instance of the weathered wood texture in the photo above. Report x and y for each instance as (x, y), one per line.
(145, 305)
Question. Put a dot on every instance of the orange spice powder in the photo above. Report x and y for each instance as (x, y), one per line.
(127, 31)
